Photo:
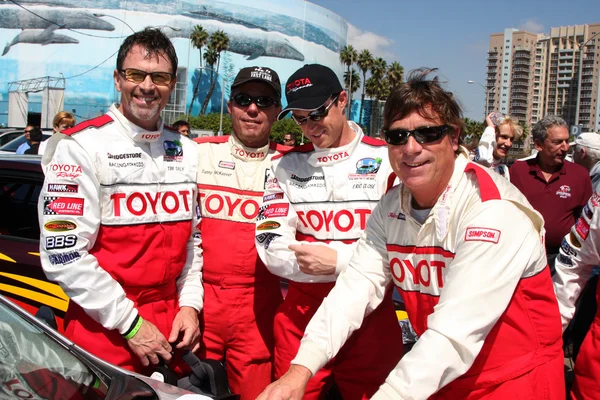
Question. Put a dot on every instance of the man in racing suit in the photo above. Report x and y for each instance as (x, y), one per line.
(578, 254)
(118, 219)
(241, 295)
(316, 205)
(464, 248)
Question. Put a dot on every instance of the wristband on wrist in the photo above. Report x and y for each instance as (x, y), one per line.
(135, 327)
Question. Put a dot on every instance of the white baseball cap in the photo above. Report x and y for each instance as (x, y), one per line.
(590, 140)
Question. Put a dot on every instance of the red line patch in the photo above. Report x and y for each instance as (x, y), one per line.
(482, 235)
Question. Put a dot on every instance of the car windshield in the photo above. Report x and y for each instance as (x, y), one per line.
(34, 366)
(13, 145)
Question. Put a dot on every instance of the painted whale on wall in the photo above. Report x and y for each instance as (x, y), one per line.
(44, 17)
(40, 36)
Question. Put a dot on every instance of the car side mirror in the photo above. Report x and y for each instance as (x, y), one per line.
(46, 315)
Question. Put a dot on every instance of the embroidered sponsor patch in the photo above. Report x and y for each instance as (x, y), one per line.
(268, 225)
(482, 235)
(587, 212)
(59, 226)
(227, 164)
(64, 258)
(266, 238)
(563, 259)
(68, 171)
(574, 240)
(62, 188)
(399, 216)
(582, 228)
(564, 192)
(173, 150)
(368, 165)
(276, 210)
(60, 241)
(566, 248)
(274, 196)
(595, 199)
(63, 206)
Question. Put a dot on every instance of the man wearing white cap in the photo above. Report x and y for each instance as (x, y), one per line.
(587, 154)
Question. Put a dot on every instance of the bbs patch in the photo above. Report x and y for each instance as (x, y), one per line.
(60, 242)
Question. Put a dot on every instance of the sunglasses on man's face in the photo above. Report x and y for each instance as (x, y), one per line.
(426, 134)
(139, 76)
(244, 100)
(315, 115)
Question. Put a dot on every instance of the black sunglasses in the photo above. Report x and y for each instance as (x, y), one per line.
(426, 134)
(244, 100)
(315, 115)
(139, 76)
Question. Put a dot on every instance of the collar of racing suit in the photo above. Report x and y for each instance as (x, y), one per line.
(241, 152)
(136, 133)
(334, 155)
(442, 209)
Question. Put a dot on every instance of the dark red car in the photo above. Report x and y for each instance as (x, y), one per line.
(21, 277)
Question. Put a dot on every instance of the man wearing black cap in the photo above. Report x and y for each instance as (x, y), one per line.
(316, 205)
(240, 294)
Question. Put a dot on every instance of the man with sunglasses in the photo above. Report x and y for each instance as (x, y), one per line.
(25, 146)
(240, 294)
(118, 219)
(464, 248)
(317, 202)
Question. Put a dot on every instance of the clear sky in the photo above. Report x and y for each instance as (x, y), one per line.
(451, 35)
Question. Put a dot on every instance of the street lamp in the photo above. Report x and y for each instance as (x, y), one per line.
(581, 50)
(487, 91)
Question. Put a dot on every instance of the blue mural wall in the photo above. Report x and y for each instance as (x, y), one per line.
(78, 40)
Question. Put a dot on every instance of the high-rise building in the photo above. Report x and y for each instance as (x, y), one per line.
(531, 75)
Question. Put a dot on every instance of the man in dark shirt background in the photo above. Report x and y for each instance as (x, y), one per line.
(35, 138)
(558, 189)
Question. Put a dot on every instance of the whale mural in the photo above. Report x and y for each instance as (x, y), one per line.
(78, 40)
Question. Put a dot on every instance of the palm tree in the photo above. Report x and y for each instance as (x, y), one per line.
(219, 42)
(354, 83)
(365, 62)
(198, 38)
(379, 68)
(210, 57)
(348, 56)
(395, 74)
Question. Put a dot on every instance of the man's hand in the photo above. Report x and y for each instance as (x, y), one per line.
(149, 343)
(290, 386)
(186, 322)
(315, 259)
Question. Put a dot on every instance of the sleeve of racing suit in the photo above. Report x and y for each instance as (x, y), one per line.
(487, 142)
(461, 322)
(577, 255)
(189, 282)
(358, 290)
(276, 230)
(70, 264)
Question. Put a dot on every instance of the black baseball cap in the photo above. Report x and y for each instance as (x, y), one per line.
(259, 74)
(309, 88)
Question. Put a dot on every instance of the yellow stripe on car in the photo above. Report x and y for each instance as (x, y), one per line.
(48, 287)
(6, 258)
(51, 301)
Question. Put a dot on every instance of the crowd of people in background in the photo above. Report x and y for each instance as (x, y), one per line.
(181, 244)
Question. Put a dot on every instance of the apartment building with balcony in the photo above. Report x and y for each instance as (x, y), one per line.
(531, 75)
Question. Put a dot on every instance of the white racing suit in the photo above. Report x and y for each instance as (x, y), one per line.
(325, 196)
(578, 254)
(477, 290)
(118, 222)
(34, 367)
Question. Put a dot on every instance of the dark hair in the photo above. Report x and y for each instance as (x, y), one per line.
(540, 129)
(417, 94)
(154, 41)
(178, 124)
(35, 134)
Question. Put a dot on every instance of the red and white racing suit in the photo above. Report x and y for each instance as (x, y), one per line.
(325, 196)
(118, 222)
(477, 290)
(577, 255)
(241, 295)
